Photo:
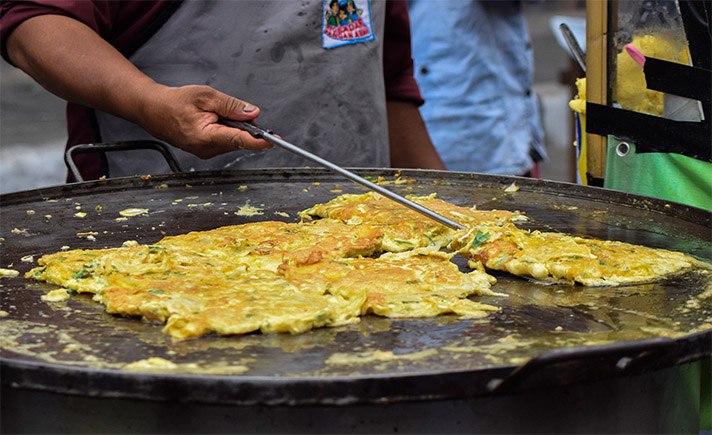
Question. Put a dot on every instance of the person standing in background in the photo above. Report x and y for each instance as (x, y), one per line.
(474, 64)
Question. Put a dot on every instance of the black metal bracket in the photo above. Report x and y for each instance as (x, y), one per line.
(651, 134)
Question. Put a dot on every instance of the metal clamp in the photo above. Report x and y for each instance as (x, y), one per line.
(117, 146)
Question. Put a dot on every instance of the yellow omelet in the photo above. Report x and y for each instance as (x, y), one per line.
(560, 257)
(364, 254)
(267, 276)
(404, 229)
(417, 283)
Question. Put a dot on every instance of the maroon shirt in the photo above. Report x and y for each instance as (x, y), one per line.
(128, 24)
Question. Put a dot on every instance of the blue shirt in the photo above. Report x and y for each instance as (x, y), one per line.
(473, 62)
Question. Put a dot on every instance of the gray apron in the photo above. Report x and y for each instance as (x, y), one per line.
(268, 53)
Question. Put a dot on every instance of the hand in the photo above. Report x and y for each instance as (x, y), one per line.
(187, 117)
(72, 61)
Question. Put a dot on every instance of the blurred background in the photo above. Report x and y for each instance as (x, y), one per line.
(33, 133)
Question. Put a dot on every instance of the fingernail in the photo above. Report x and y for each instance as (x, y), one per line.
(249, 108)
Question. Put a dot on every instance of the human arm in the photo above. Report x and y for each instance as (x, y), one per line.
(410, 145)
(71, 60)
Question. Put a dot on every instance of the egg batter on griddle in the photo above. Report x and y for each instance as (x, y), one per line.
(365, 254)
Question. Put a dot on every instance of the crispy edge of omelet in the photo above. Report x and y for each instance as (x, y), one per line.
(520, 252)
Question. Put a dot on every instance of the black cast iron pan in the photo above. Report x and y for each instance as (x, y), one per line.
(544, 335)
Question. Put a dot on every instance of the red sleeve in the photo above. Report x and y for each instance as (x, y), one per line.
(397, 57)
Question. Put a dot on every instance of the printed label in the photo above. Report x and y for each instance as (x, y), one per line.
(346, 22)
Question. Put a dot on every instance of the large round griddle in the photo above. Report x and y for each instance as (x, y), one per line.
(543, 336)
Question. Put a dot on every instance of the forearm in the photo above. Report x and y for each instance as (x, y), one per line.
(70, 60)
(410, 145)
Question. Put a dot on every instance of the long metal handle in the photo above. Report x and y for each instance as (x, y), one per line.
(573, 45)
(262, 133)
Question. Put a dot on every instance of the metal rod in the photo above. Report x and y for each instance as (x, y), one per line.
(364, 182)
(261, 132)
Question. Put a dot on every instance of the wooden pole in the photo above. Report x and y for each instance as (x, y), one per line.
(596, 80)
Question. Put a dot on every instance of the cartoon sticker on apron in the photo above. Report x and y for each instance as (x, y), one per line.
(346, 22)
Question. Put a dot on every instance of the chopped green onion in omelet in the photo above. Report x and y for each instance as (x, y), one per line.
(352, 256)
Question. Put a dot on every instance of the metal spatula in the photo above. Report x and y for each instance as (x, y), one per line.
(262, 133)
